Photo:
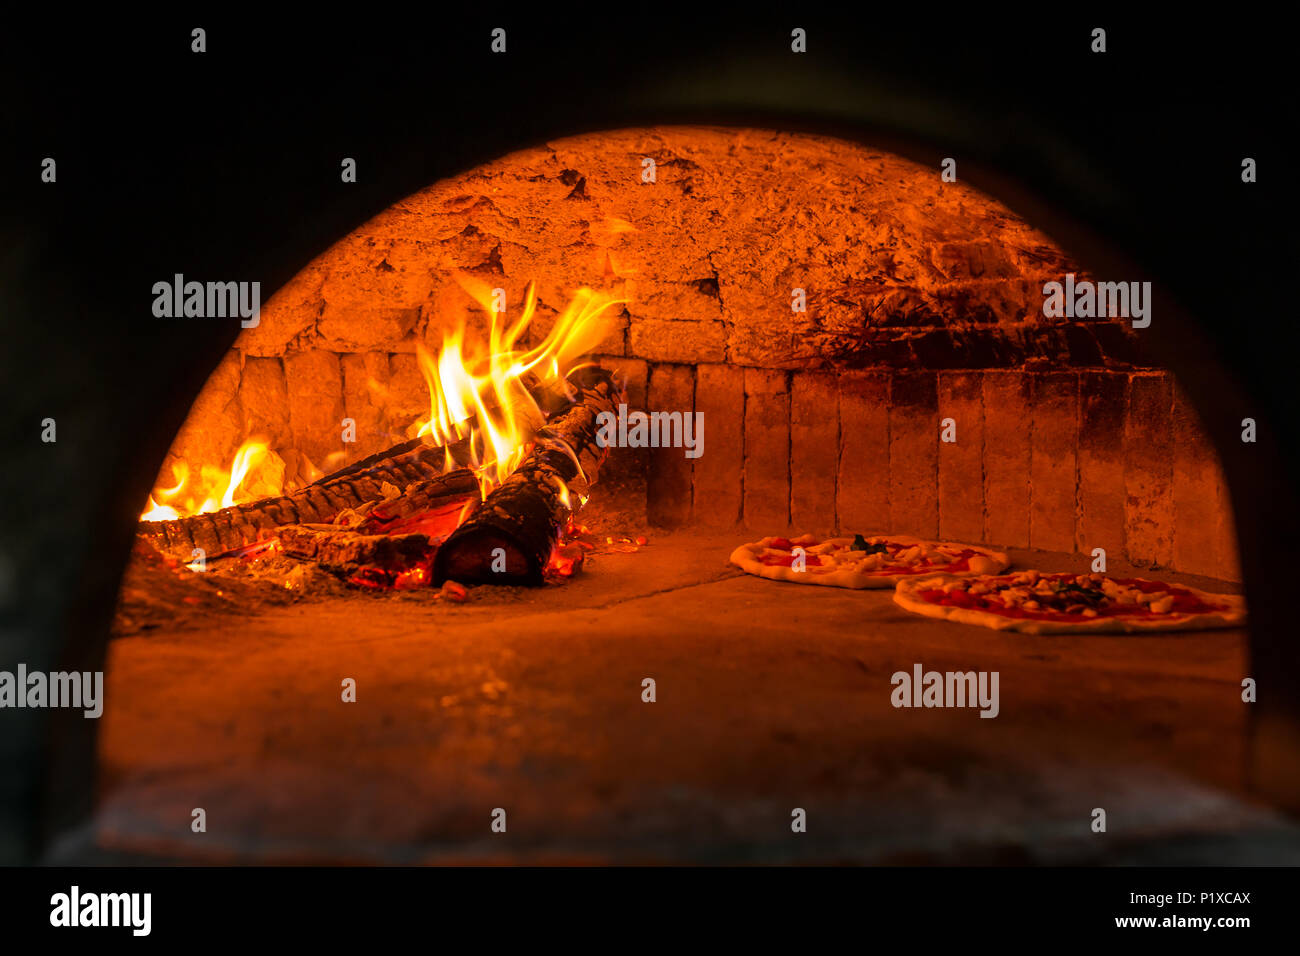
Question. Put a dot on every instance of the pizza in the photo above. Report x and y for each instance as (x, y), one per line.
(878, 561)
(1037, 603)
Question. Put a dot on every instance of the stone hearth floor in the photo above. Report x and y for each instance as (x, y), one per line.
(771, 696)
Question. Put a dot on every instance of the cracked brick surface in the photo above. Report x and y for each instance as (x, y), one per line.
(709, 253)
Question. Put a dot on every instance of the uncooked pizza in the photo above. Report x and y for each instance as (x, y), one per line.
(1038, 603)
(878, 561)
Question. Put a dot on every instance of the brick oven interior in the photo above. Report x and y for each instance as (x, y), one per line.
(924, 302)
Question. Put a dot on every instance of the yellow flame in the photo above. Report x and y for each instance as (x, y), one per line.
(181, 472)
(480, 393)
(160, 512)
(214, 488)
(156, 512)
(249, 454)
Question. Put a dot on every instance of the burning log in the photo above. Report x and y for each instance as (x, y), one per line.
(419, 460)
(341, 549)
(510, 537)
(415, 462)
(369, 560)
(386, 521)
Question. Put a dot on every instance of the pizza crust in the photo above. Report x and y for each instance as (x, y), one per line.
(746, 557)
(1233, 615)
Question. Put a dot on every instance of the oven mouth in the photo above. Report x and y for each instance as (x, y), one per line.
(867, 349)
(891, 358)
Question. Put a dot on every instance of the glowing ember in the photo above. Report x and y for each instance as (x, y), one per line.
(566, 561)
(577, 541)
(437, 522)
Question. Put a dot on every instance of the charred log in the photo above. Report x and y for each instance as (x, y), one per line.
(412, 465)
(339, 550)
(510, 536)
(439, 501)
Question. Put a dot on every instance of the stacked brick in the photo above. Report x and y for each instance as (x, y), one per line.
(921, 301)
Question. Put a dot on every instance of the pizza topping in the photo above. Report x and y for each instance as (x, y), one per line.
(860, 544)
(886, 556)
(862, 561)
(1164, 605)
(1065, 596)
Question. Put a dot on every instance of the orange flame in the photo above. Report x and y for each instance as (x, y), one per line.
(255, 472)
(484, 396)
(478, 393)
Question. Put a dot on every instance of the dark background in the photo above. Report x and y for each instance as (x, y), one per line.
(226, 165)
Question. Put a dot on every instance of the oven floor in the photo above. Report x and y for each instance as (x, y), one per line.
(770, 697)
